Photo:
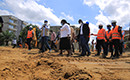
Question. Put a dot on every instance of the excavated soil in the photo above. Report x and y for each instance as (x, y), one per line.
(21, 64)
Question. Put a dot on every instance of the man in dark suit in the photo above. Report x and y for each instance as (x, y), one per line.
(84, 36)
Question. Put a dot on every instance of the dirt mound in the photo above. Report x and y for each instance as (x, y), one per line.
(20, 64)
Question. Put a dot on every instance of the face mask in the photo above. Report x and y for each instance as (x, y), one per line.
(30, 28)
(45, 23)
(61, 24)
(100, 27)
(112, 25)
(108, 27)
(80, 23)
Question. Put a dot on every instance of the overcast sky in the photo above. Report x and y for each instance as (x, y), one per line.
(94, 11)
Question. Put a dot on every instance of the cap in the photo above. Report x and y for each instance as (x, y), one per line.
(45, 21)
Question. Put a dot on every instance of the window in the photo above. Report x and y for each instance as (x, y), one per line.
(23, 25)
(10, 26)
(10, 31)
(10, 20)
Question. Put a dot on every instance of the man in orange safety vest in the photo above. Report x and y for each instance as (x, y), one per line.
(29, 37)
(101, 41)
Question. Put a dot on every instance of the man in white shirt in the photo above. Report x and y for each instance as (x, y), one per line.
(65, 33)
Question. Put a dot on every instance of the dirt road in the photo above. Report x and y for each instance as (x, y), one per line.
(21, 64)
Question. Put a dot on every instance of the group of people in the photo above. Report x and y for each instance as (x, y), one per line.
(110, 40)
(113, 38)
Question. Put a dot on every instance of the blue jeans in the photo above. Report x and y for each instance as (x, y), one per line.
(84, 44)
(45, 43)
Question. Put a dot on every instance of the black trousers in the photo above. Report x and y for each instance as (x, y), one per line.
(14, 45)
(101, 43)
(117, 47)
(121, 48)
(53, 45)
(28, 43)
(109, 47)
(44, 44)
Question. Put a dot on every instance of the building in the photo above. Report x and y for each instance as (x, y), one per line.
(127, 35)
(13, 24)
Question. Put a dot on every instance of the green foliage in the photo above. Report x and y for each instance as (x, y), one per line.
(6, 36)
(23, 33)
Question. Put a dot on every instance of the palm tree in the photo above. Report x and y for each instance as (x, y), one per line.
(6, 36)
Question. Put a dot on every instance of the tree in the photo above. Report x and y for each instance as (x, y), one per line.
(23, 33)
(6, 36)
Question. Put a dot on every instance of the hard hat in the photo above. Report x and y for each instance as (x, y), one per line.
(100, 25)
(108, 25)
(113, 21)
(30, 27)
(87, 22)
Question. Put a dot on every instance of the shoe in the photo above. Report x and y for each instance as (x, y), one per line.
(97, 54)
(88, 54)
(40, 52)
(60, 54)
(68, 55)
(81, 55)
(111, 56)
(103, 56)
(117, 57)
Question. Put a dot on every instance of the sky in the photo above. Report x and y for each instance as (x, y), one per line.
(94, 11)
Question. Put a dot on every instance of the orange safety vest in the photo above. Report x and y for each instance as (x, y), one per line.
(115, 33)
(123, 35)
(29, 35)
(108, 35)
(101, 34)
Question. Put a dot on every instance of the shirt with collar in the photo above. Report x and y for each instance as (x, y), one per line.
(81, 29)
